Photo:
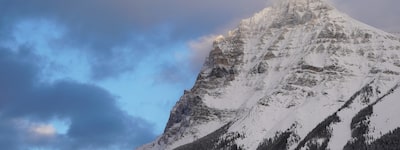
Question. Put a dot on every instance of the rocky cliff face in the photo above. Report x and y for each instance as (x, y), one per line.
(297, 75)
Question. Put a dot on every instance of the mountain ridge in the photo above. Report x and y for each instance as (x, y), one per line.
(263, 84)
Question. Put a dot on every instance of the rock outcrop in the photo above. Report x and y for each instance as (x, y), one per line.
(297, 75)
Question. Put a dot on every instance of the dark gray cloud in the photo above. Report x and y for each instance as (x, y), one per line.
(174, 73)
(118, 34)
(102, 27)
(96, 121)
(184, 69)
(8, 135)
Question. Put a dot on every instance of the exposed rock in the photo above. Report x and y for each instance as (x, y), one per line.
(298, 62)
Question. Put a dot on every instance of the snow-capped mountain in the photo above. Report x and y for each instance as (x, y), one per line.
(297, 75)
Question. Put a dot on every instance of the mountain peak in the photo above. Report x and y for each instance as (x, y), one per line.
(291, 6)
(290, 12)
(295, 75)
(299, 1)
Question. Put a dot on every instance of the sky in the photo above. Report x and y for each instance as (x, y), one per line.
(102, 74)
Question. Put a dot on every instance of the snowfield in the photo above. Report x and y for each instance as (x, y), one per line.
(297, 75)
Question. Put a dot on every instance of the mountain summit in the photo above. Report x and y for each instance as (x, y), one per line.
(297, 75)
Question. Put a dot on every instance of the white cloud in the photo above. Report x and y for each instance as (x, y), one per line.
(199, 50)
(44, 130)
(34, 128)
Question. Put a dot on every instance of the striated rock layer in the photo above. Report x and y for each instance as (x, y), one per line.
(297, 75)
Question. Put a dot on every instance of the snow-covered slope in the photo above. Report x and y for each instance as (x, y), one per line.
(297, 75)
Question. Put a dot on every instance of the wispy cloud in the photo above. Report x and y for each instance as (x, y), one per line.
(113, 32)
(113, 37)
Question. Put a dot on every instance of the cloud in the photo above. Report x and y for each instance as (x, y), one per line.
(199, 50)
(111, 31)
(44, 130)
(114, 36)
(187, 64)
(26, 105)
(176, 73)
(382, 14)
(117, 35)
(8, 136)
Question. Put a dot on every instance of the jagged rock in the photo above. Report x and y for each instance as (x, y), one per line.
(298, 62)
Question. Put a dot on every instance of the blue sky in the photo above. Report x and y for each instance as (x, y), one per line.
(100, 74)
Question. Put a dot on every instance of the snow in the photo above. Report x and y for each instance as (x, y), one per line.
(341, 132)
(232, 99)
(385, 115)
(202, 130)
(317, 60)
(289, 91)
